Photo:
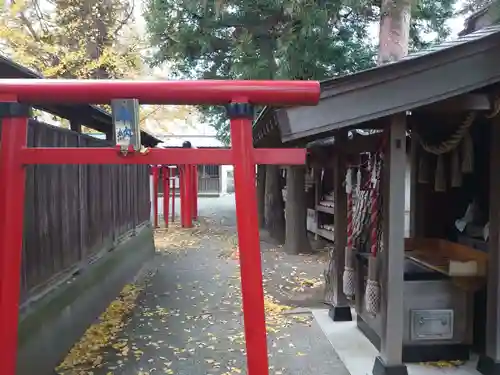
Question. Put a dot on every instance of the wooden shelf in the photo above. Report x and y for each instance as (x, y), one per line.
(325, 234)
(326, 198)
(436, 254)
(325, 209)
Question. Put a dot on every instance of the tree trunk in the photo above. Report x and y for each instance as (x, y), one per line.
(394, 34)
(274, 207)
(261, 194)
(296, 212)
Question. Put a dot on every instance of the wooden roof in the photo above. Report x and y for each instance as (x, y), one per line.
(86, 114)
(441, 72)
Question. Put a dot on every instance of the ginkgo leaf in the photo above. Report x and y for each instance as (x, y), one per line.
(101, 334)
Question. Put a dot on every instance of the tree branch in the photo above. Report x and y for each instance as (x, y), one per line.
(149, 114)
(126, 19)
(27, 23)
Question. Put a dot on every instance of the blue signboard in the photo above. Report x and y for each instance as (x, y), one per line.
(126, 123)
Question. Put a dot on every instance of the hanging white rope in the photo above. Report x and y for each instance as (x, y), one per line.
(454, 140)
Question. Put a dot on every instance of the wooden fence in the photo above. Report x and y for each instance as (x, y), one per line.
(74, 214)
(209, 185)
(209, 180)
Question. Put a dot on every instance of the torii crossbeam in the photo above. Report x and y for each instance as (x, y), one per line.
(239, 97)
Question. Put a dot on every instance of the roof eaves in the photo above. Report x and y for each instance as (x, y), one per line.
(469, 23)
(492, 31)
(96, 113)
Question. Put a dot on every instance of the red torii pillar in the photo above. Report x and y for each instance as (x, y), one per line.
(186, 196)
(189, 212)
(15, 155)
(166, 193)
(194, 185)
(155, 170)
(173, 195)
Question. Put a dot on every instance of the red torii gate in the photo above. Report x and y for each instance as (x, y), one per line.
(16, 95)
(188, 194)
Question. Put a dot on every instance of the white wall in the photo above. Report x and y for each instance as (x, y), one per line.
(224, 179)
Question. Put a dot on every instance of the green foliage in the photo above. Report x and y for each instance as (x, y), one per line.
(429, 16)
(80, 39)
(258, 39)
(74, 39)
(272, 39)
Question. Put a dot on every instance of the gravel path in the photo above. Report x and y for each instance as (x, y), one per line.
(188, 320)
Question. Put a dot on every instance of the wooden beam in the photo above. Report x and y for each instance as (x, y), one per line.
(265, 127)
(392, 284)
(467, 102)
(76, 126)
(414, 206)
(353, 146)
(340, 311)
(489, 363)
(350, 149)
(317, 197)
(359, 144)
(381, 90)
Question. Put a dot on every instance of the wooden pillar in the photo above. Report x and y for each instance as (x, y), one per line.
(392, 285)
(417, 190)
(75, 126)
(274, 206)
(296, 239)
(340, 311)
(151, 196)
(317, 189)
(261, 194)
(413, 185)
(489, 363)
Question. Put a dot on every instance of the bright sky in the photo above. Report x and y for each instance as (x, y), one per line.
(455, 24)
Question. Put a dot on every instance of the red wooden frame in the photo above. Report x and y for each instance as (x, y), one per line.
(186, 196)
(166, 193)
(14, 156)
(156, 180)
(176, 156)
(194, 193)
(173, 196)
(162, 92)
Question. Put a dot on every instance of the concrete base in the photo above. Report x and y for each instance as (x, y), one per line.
(359, 355)
(53, 324)
(340, 313)
(488, 366)
(420, 353)
(380, 368)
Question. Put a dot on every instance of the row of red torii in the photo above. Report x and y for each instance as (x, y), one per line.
(18, 95)
(188, 193)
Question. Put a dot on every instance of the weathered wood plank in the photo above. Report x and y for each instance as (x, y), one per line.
(72, 210)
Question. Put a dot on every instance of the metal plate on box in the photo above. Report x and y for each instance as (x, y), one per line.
(431, 324)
